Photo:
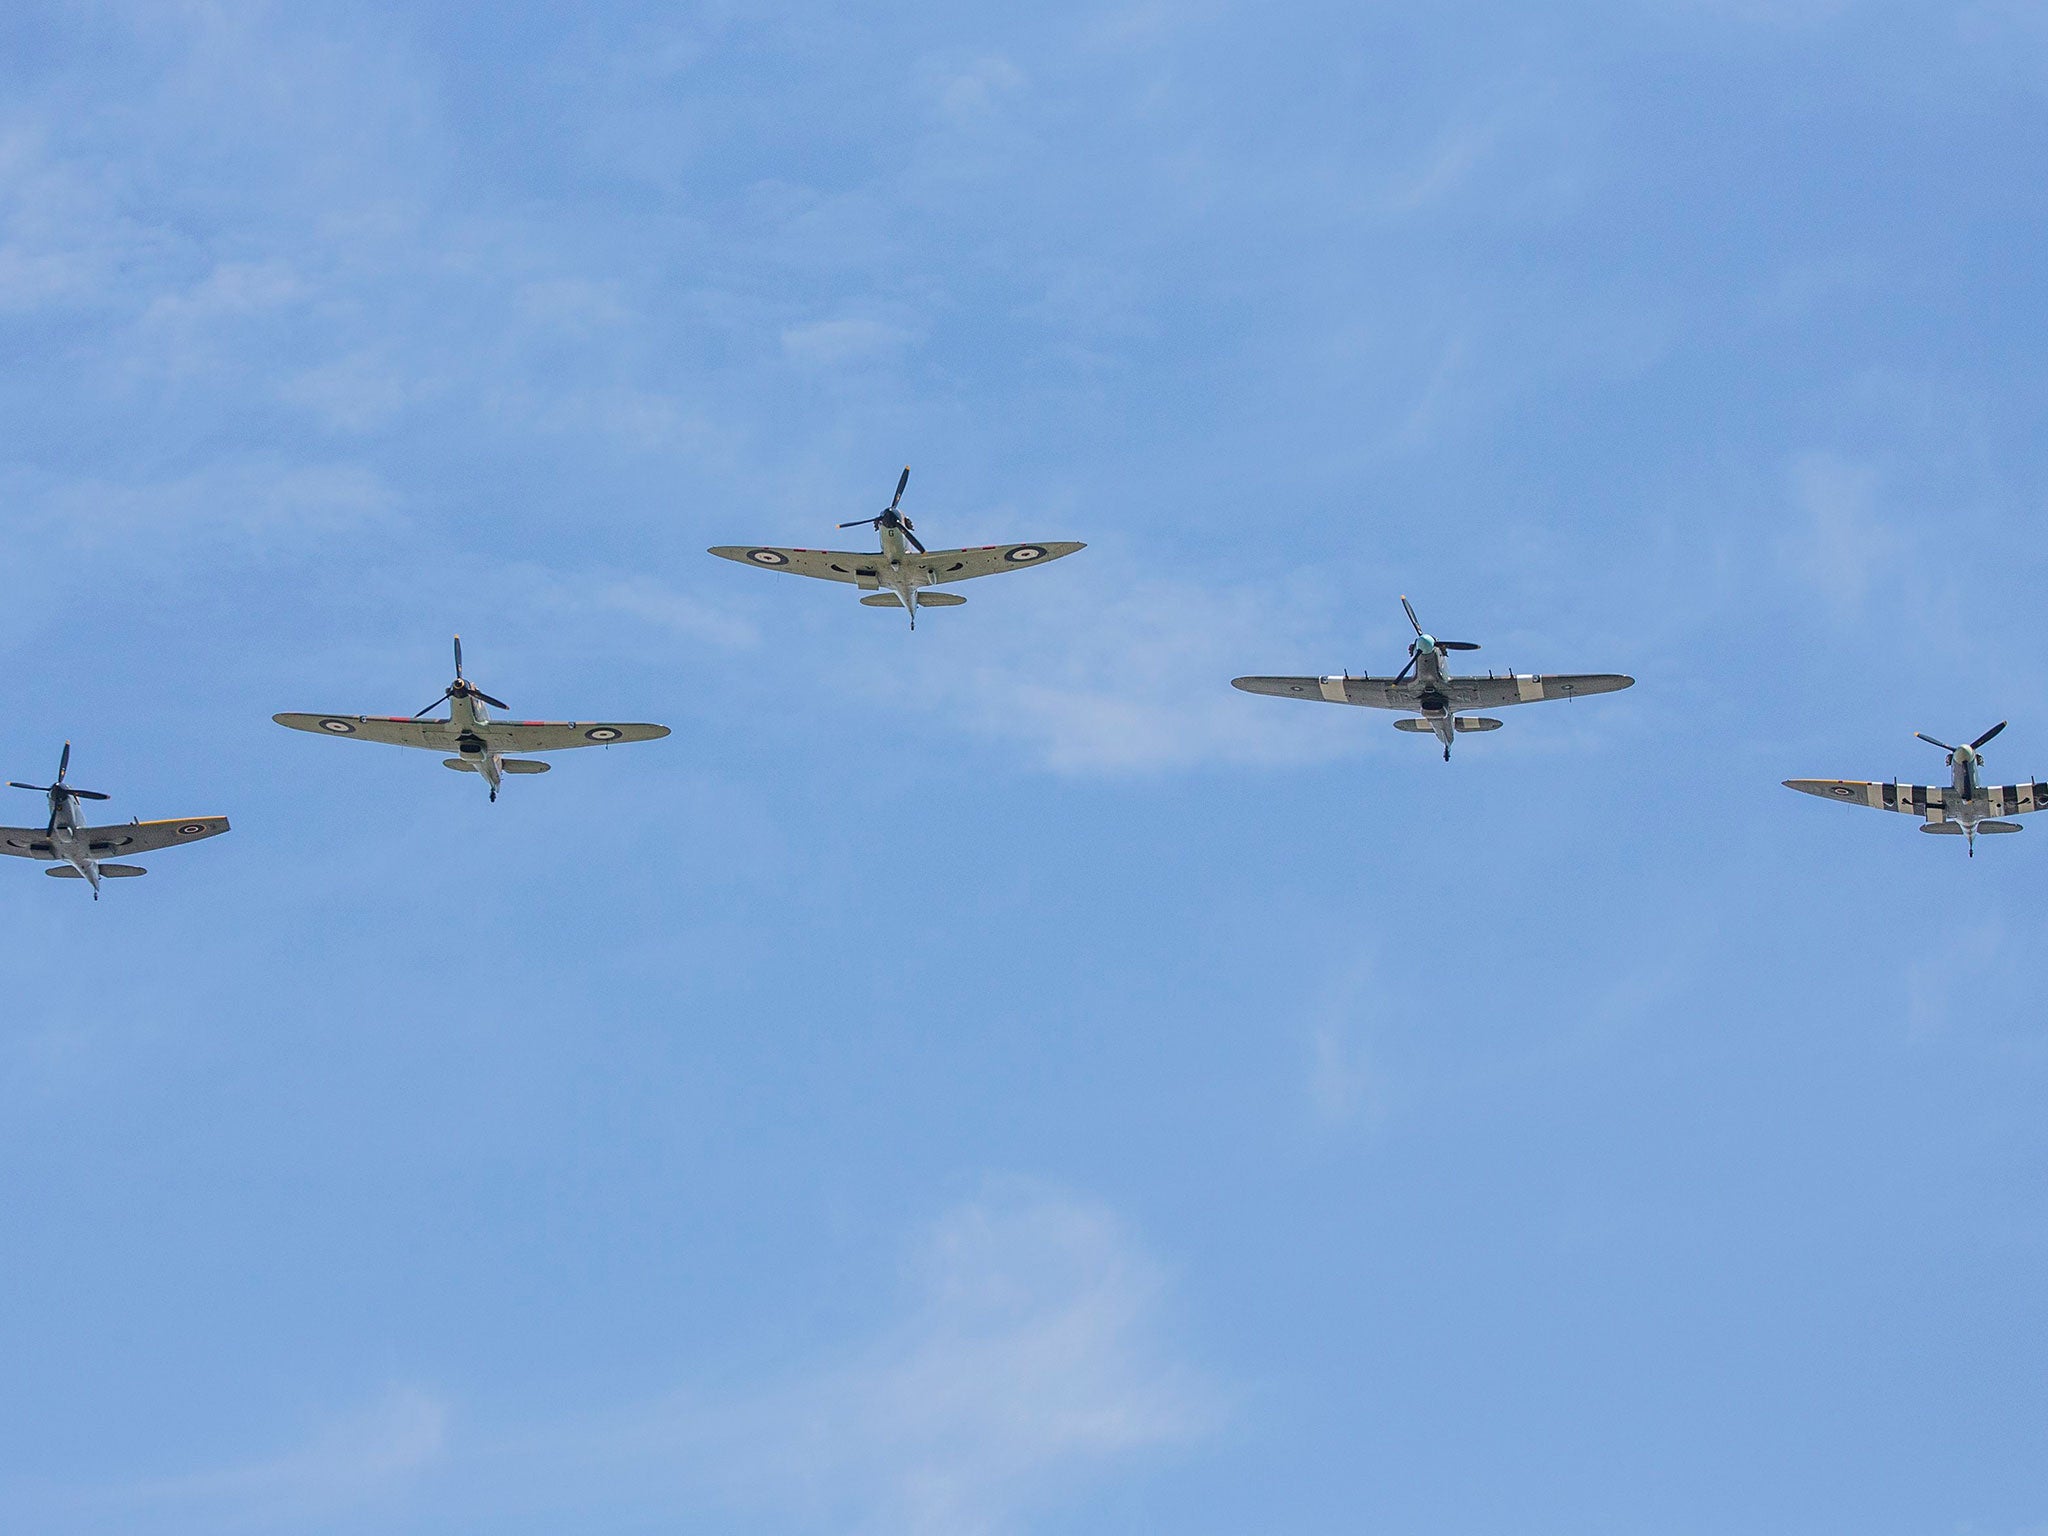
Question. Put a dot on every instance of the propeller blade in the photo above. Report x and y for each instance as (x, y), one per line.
(458, 657)
(1411, 615)
(861, 522)
(1406, 667)
(912, 537)
(899, 490)
(494, 703)
(446, 695)
(64, 763)
(1989, 734)
(41, 789)
(1932, 742)
(87, 794)
(1456, 645)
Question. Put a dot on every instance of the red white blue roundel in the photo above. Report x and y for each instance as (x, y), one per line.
(603, 733)
(767, 557)
(338, 727)
(1024, 554)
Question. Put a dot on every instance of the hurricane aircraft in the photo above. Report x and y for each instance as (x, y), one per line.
(77, 852)
(894, 576)
(1964, 808)
(479, 742)
(1425, 687)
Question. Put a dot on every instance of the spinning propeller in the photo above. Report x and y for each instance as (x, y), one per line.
(60, 787)
(459, 689)
(1423, 645)
(890, 517)
(1951, 751)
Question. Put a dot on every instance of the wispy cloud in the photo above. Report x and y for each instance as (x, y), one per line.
(1093, 675)
(1025, 1360)
(1025, 1363)
(1839, 542)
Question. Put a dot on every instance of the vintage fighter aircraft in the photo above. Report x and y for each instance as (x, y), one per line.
(895, 576)
(480, 742)
(78, 851)
(1432, 692)
(1964, 809)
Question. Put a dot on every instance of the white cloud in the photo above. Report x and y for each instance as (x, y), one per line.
(836, 343)
(255, 497)
(344, 1469)
(1093, 675)
(637, 597)
(1842, 545)
(1024, 1364)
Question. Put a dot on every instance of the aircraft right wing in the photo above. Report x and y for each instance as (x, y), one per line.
(1372, 692)
(1919, 799)
(102, 842)
(389, 729)
(825, 564)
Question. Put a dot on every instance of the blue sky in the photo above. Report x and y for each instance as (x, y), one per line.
(1000, 1079)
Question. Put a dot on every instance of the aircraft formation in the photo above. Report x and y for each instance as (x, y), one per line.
(904, 574)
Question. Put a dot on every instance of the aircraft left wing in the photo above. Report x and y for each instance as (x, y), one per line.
(989, 560)
(1498, 692)
(560, 735)
(1920, 799)
(104, 842)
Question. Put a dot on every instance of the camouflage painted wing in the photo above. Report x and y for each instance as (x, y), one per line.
(1923, 799)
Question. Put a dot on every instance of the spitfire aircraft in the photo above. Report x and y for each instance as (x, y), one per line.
(77, 851)
(894, 576)
(1965, 808)
(1432, 692)
(479, 742)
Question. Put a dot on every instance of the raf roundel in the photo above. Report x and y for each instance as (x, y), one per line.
(1024, 554)
(602, 733)
(767, 557)
(1843, 792)
(192, 829)
(338, 727)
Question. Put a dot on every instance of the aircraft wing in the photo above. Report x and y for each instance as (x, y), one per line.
(1372, 692)
(560, 735)
(26, 843)
(1461, 692)
(825, 564)
(389, 729)
(989, 560)
(1498, 692)
(1919, 799)
(106, 842)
